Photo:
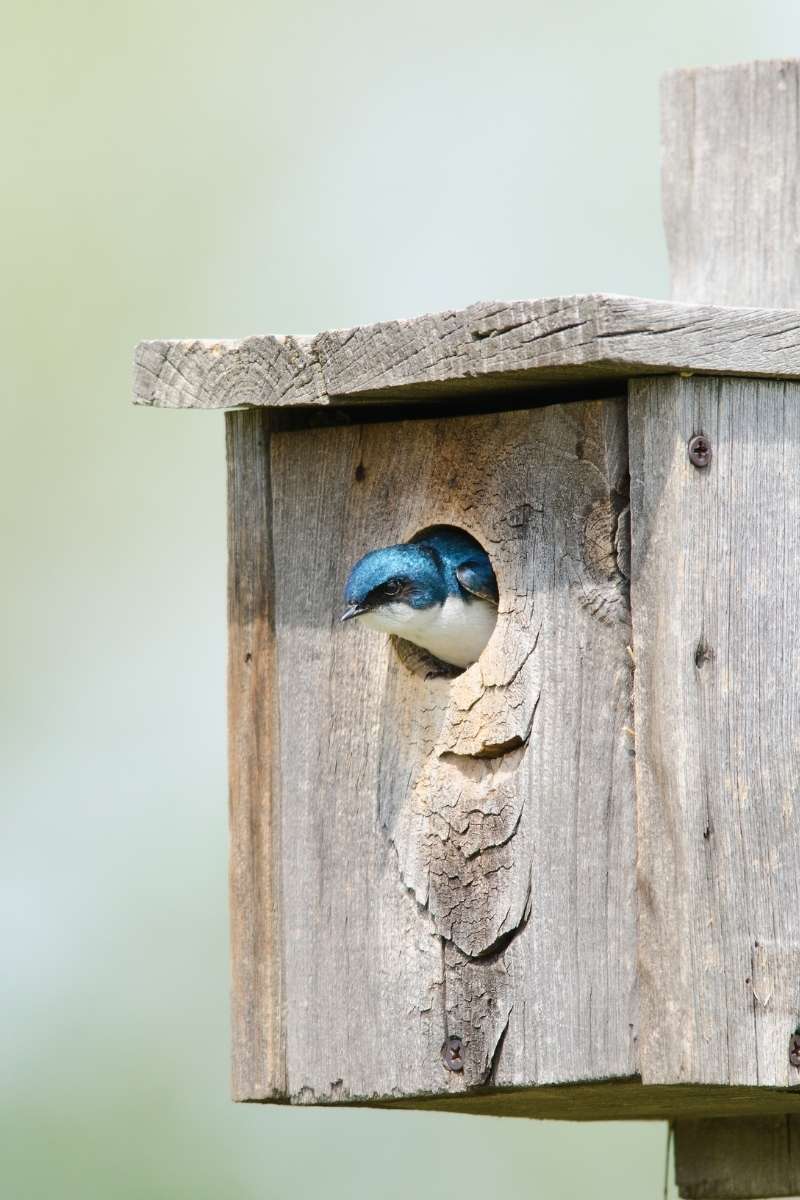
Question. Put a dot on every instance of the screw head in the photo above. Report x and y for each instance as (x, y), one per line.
(794, 1049)
(699, 450)
(453, 1053)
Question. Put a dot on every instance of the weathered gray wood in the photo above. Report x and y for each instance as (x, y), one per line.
(716, 612)
(256, 371)
(462, 852)
(731, 164)
(486, 347)
(259, 1067)
(731, 1160)
(729, 179)
(458, 856)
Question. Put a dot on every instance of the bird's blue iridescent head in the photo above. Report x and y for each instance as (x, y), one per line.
(405, 574)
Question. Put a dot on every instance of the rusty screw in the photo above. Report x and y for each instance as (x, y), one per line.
(452, 1053)
(794, 1048)
(700, 450)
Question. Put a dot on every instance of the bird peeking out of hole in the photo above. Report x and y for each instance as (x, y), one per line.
(438, 591)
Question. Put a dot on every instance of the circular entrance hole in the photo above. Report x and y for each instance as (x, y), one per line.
(462, 625)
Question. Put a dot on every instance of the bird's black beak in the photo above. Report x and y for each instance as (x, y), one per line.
(354, 610)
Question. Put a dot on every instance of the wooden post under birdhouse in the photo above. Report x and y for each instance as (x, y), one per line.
(564, 882)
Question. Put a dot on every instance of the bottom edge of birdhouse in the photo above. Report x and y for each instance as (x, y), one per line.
(612, 1100)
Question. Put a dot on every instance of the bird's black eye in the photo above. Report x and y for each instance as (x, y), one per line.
(392, 587)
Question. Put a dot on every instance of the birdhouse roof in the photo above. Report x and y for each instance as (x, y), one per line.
(490, 347)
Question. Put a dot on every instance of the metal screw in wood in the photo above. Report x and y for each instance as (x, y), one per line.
(699, 451)
(794, 1048)
(453, 1053)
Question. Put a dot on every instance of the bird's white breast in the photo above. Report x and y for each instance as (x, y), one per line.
(456, 631)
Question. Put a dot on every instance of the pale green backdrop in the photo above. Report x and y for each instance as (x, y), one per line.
(205, 169)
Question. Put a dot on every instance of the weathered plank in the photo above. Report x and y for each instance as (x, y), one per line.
(258, 1069)
(486, 347)
(255, 371)
(460, 852)
(619, 1100)
(737, 1159)
(731, 164)
(729, 182)
(716, 614)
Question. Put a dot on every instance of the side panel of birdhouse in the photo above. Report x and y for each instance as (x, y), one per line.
(457, 855)
(258, 1045)
(716, 609)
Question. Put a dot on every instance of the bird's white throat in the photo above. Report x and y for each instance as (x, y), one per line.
(456, 631)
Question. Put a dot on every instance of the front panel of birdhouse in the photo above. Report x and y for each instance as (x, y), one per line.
(456, 901)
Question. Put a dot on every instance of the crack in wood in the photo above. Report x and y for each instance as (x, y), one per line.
(479, 817)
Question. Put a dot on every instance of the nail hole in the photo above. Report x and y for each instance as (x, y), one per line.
(702, 654)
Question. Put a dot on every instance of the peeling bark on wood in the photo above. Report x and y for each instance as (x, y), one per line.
(463, 851)
(488, 347)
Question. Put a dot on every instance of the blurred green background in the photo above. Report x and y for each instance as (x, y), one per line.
(181, 169)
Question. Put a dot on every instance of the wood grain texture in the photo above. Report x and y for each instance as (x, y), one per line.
(254, 371)
(729, 184)
(258, 1049)
(458, 855)
(738, 1159)
(716, 612)
(486, 347)
(731, 163)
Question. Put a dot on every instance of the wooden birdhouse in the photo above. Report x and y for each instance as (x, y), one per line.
(564, 881)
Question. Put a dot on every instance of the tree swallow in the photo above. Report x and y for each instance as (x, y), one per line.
(438, 591)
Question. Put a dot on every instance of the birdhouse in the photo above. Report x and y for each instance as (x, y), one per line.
(562, 881)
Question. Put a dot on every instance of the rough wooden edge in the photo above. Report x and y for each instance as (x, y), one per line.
(258, 1034)
(609, 1100)
(487, 347)
(616, 1100)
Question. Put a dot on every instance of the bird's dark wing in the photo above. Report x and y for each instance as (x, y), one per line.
(476, 576)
